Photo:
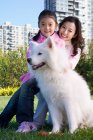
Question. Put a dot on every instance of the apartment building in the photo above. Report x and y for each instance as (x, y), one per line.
(29, 32)
(1, 38)
(12, 37)
(83, 9)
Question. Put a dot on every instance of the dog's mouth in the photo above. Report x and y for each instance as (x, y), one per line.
(34, 67)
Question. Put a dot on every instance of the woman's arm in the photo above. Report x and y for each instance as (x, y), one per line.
(75, 59)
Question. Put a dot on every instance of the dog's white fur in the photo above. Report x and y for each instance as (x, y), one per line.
(65, 91)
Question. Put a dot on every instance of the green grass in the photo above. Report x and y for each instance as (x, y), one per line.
(10, 134)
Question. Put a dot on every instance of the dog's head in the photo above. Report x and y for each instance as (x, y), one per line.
(49, 54)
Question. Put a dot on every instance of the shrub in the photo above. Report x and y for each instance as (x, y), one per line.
(12, 65)
(85, 67)
(7, 91)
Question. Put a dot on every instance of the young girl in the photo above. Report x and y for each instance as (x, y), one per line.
(47, 23)
(21, 103)
(23, 107)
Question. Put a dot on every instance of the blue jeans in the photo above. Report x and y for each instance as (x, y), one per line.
(25, 107)
(21, 104)
(9, 110)
(41, 112)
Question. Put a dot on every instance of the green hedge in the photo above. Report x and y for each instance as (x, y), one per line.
(85, 67)
(12, 65)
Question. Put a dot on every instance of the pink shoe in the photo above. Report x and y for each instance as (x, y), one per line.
(26, 127)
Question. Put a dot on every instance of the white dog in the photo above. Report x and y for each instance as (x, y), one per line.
(65, 91)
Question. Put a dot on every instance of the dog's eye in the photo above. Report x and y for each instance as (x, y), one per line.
(39, 53)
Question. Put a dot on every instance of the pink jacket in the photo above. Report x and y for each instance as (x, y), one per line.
(73, 59)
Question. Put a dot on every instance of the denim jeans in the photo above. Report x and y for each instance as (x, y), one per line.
(25, 107)
(20, 104)
(10, 109)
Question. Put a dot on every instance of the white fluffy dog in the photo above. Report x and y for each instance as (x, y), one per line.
(65, 91)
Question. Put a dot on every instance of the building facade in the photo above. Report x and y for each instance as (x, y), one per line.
(83, 9)
(1, 37)
(12, 37)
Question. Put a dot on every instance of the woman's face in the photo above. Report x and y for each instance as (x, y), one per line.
(67, 31)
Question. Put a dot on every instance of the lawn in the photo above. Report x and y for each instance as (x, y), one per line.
(10, 134)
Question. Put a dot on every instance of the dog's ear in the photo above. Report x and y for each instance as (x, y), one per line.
(52, 43)
(49, 42)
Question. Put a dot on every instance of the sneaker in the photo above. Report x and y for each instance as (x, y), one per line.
(26, 127)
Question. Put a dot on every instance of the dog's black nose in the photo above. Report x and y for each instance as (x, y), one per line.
(29, 60)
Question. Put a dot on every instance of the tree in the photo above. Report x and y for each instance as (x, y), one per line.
(12, 65)
(85, 67)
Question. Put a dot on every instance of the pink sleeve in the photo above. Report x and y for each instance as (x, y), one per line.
(28, 52)
(29, 49)
(75, 59)
(25, 77)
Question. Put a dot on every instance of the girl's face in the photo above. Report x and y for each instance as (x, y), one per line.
(47, 26)
(67, 31)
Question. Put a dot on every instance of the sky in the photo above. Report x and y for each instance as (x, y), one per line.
(21, 12)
